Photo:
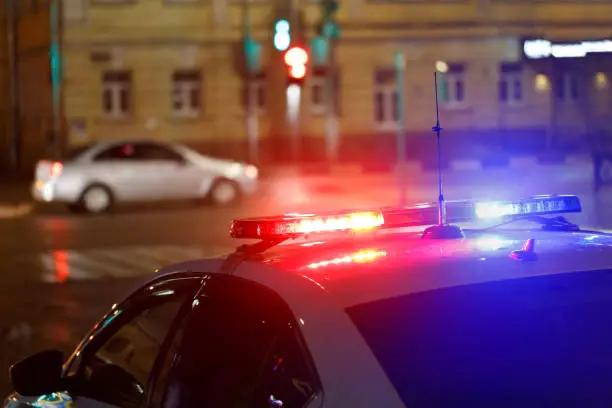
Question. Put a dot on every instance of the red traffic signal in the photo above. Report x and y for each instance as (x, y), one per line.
(296, 59)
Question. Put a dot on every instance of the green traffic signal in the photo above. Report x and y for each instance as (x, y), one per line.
(252, 53)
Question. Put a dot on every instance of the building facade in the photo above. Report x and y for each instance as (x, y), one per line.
(166, 70)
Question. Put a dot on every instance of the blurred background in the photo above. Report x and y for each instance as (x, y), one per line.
(331, 101)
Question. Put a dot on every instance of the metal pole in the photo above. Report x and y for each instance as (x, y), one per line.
(293, 102)
(400, 66)
(57, 77)
(252, 122)
(15, 144)
(331, 126)
(294, 92)
(438, 129)
(252, 119)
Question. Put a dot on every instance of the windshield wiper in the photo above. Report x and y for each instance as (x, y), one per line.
(548, 224)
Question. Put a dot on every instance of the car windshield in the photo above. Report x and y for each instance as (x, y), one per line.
(534, 342)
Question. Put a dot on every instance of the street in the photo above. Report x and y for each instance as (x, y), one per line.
(60, 272)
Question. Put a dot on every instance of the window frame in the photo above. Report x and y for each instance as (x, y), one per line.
(115, 88)
(389, 108)
(109, 326)
(217, 286)
(510, 79)
(567, 79)
(320, 107)
(183, 88)
(385, 85)
(259, 86)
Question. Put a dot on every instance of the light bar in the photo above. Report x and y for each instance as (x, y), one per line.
(292, 225)
(304, 224)
(538, 205)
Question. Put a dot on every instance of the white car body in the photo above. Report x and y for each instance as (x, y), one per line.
(191, 176)
(350, 374)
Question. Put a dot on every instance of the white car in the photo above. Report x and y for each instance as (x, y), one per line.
(123, 171)
(358, 312)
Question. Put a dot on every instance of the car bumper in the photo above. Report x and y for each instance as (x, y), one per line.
(49, 191)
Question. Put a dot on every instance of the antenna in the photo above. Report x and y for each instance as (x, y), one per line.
(437, 129)
(442, 230)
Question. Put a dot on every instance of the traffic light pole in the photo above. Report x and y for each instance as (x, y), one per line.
(293, 103)
(15, 144)
(55, 13)
(400, 66)
(331, 128)
(252, 122)
(253, 62)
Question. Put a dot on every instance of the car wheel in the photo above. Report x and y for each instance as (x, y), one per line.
(97, 199)
(224, 192)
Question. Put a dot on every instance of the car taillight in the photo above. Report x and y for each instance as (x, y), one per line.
(55, 169)
(251, 171)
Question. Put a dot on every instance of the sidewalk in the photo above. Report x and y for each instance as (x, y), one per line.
(15, 198)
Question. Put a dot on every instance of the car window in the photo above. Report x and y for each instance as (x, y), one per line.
(149, 151)
(121, 152)
(115, 366)
(540, 341)
(240, 349)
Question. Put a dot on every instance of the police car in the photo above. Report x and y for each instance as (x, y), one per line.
(355, 309)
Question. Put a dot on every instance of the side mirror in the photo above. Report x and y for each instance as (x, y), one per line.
(38, 374)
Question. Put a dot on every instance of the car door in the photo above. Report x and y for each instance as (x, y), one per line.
(241, 347)
(114, 363)
(175, 177)
(121, 168)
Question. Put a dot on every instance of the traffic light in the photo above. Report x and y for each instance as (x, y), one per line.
(296, 59)
(282, 35)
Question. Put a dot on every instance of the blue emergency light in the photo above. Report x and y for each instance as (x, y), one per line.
(293, 225)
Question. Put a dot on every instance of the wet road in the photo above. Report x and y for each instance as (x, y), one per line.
(59, 272)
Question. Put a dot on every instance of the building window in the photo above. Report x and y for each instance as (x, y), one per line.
(385, 98)
(510, 83)
(319, 91)
(254, 88)
(187, 93)
(117, 93)
(318, 100)
(452, 85)
(567, 88)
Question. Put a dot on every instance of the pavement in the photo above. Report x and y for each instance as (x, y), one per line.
(59, 272)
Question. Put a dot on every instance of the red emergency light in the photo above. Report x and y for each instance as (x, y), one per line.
(304, 224)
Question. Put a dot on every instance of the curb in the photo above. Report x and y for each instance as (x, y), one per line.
(16, 210)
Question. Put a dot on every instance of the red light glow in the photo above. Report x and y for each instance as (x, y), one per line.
(296, 56)
(298, 71)
(305, 224)
(62, 269)
(296, 59)
(363, 256)
(55, 169)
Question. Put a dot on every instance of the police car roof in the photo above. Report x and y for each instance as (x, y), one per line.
(361, 270)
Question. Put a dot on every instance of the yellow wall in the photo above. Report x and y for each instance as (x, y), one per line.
(151, 37)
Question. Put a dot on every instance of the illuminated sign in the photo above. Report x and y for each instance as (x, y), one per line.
(538, 49)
